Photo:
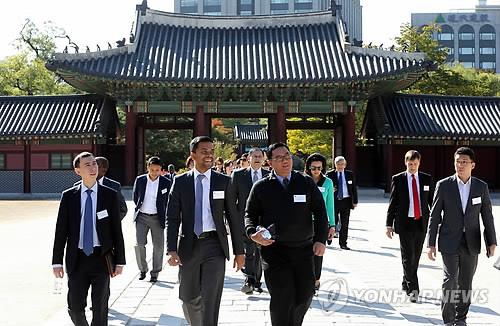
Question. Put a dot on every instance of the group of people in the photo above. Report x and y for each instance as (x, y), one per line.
(279, 219)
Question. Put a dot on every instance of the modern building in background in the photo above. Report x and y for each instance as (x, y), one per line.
(469, 36)
(351, 9)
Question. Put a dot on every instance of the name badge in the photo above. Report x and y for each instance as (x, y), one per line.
(218, 194)
(163, 191)
(102, 214)
(349, 182)
(322, 189)
(299, 198)
(476, 200)
(426, 188)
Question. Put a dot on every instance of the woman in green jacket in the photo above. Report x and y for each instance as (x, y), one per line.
(315, 167)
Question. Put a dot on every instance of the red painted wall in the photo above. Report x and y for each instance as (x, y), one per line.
(40, 161)
(15, 161)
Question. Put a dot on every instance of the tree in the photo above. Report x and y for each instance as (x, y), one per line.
(310, 141)
(25, 72)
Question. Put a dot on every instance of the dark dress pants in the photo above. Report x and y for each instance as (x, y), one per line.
(411, 243)
(318, 265)
(459, 271)
(90, 271)
(289, 274)
(201, 282)
(253, 265)
(343, 211)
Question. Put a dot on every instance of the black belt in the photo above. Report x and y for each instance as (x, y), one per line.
(148, 214)
(206, 235)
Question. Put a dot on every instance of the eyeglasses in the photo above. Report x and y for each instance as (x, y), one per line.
(283, 158)
(315, 168)
(462, 162)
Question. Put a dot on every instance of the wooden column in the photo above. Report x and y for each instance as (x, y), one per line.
(388, 151)
(350, 138)
(27, 167)
(200, 122)
(338, 148)
(130, 134)
(141, 152)
(280, 124)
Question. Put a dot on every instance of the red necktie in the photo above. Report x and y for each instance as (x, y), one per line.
(416, 201)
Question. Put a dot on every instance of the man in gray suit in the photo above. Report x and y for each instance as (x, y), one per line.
(242, 181)
(197, 201)
(458, 202)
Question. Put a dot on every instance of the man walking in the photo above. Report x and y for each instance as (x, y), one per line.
(408, 216)
(89, 228)
(346, 197)
(458, 202)
(284, 202)
(150, 198)
(198, 201)
(242, 181)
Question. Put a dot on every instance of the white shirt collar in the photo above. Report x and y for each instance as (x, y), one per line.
(460, 182)
(151, 181)
(259, 170)
(83, 188)
(207, 173)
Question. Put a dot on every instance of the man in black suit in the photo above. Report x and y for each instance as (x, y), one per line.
(408, 216)
(89, 227)
(242, 181)
(102, 169)
(287, 199)
(198, 201)
(458, 202)
(150, 198)
(346, 197)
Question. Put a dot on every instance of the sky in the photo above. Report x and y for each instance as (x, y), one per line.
(92, 22)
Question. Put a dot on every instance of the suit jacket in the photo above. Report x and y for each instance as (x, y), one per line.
(270, 203)
(350, 180)
(240, 186)
(116, 186)
(139, 191)
(180, 211)
(399, 202)
(67, 234)
(448, 219)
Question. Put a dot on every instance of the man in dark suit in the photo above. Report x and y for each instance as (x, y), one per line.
(102, 169)
(150, 198)
(198, 201)
(89, 227)
(408, 216)
(242, 181)
(458, 202)
(287, 199)
(346, 197)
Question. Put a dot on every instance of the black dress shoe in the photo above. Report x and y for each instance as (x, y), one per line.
(153, 279)
(247, 288)
(413, 297)
(258, 289)
(345, 247)
(142, 276)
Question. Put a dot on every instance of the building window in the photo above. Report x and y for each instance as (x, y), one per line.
(279, 1)
(189, 3)
(466, 36)
(468, 64)
(279, 12)
(465, 50)
(487, 65)
(212, 2)
(449, 51)
(246, 7)
(189, 6)
(487, 36)
(2, 161)
(303, 1)
(487, 51)
(61, 161)
(445, 36)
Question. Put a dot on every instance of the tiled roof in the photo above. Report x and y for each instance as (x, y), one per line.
(300, 48)
(70, 116)
(251, 134)
(438, 117)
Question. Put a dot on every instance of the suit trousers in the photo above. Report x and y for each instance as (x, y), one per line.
(201, 282)
(253, 264)
(342, 212)
(90, 271)
(318, 265)
(459, 271)
(411, 243)
(143, 224)
(289, 274)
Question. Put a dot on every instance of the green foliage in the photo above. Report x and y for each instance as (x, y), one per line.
(310, 141)
(413, 39)
(172, 146)
(226, 151)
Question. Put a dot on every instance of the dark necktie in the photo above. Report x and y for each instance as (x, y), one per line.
(198, 206)
(340, 192)
(88, 225)
(416, 200)
(286, 182)
(255, 177)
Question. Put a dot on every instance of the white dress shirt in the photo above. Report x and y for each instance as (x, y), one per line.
(208, 220)
(83, 199)
(411, 210)
(259, 173)
(345, 191)
(464, 189)
(149, 202)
